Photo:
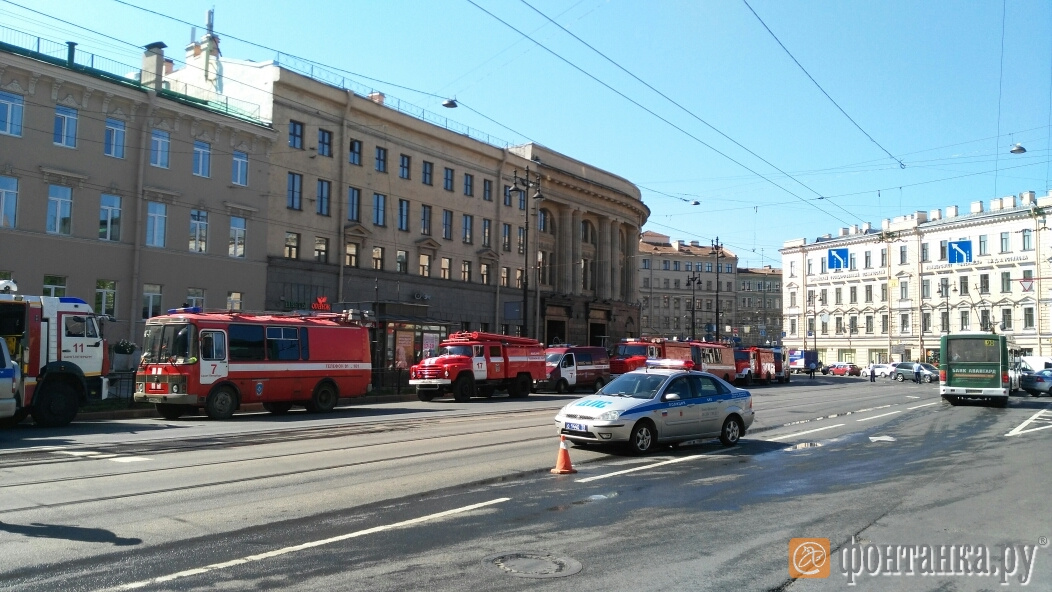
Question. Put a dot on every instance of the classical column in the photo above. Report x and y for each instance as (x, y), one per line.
(602, 264)
(615, 261)
(564, 273)
(576, 244)
(631, 288)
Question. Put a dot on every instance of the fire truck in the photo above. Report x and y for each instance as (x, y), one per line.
(476, 364)
(754, 363)
(633, 353)
(714, 358)
(223, 360)
(58, 345)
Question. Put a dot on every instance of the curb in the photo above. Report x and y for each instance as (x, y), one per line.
(247, 408)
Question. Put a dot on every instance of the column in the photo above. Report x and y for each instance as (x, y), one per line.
(576, 273)
(602, 263)
(631, 263)
(564, 274)
(615, 261)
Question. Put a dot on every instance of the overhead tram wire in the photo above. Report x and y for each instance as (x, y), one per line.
(831, 100)
(663, 119)
(670, 100)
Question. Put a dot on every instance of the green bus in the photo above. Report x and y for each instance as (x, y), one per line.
(977, 367)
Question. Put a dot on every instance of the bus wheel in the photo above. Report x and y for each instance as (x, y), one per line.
(277, 408)
(463, 389)
(56, 406)
(324, 399)
(425, 396)
(221, 403)
(170, 410)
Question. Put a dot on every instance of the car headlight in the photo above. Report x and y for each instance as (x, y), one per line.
(609, 415)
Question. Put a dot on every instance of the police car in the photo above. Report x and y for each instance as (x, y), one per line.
(665, 402)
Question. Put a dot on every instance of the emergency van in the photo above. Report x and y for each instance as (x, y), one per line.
(570, 367)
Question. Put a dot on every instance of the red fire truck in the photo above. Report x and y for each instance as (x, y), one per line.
(476, 364)
(58, 344)
(714, 358)
(633, 353)
(754, 363)
(223, 360)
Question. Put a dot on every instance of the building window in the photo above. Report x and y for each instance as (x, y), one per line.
(59, 209)
(65, 131)
(924, 252)
(106, 297)
(505, 276)
(237, 237)
(963, 281)
(402, 261)
(404, 163)
(469, 228)
(425, 220)
(837, 296)
(965, 320)
(1005, 244)
(507, 195)
(926, 322)
(487, 190)
(354, 204)
(1006, 281)
(321, 249)
(521, 240)
(852, 293)
(425, 265)
(381, 159)
(904, 323)
(239, 169)
(292, 245)
(446, 269)
(198, 231)
(943, 245)
(983, 248)
(984, 283)
(403, 214)
(447, 224)
(902, 255)
(354, 152)
(868, 291)
(54, 285)
(925, 289)
(486, 232)
(113, 141)
(160, 146)
(469, 185)
(869, 260)
(8, 201)
(350, 254)
(295, 135)
(324, 197)
(484, 273)
(195, 297)
(294, 193)
(202, 159)
(156, 221)
(852, 262)
(151, 300)
(378, 258)
(11, 107)
(379, 209)
(505, 237)
(465, 271)
(1006, 319)
(428, 173)
(447, 180)
(518, 278)
(1028, 243)
(325, 143)
(109, 217)
(234, 299)
(904, 290)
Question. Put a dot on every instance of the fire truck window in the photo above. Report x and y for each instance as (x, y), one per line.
(90, 328)
(12, 319)
(74, 326)
(283, 343)
(181, 343)
(584, 359)
(213, 345)
(304, 344)
(568, 361)
(494, 352)
(246, 342)
(476, 351)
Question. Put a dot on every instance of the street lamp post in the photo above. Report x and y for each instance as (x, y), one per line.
(693, 280)
(717, 251)
(522, 185)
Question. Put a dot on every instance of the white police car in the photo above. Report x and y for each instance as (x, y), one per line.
(665, 402)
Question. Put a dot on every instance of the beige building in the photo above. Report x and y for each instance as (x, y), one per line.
(759, 319)
(683, 281)
(130, 196)
(378, 205)
(891, 293)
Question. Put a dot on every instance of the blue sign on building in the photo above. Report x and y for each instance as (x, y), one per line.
(959, 251)
(838, 259)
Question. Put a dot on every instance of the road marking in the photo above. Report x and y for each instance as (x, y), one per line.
(304, 546)
(128, 459)
(924, 405)
(911, 397)
(642, 468)
(881, 438)
(776, 438)
(876, 416)
(75, 452)
(1044, 416)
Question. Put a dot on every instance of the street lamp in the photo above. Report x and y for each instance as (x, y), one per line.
(522, 185)
(693, 280)
(717, 252)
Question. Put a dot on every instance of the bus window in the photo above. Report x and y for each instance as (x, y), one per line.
(213, 345)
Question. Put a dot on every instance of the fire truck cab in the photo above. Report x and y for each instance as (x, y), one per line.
(754, 364)
(477, 364)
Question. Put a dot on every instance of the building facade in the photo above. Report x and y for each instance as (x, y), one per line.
(759, 319)
(370, 202)
(121, 192)
(889, 294)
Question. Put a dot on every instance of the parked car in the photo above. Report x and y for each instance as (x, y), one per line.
(846, 369)
(904, 371)
(881, 370)
(1037, 383)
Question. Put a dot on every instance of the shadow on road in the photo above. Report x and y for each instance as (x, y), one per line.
(68, 533)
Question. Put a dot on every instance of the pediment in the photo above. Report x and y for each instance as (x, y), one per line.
(356, 230)
(428, 243)
(488, 254)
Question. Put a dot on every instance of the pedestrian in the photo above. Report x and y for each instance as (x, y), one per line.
(872, 372)
(916, 372)
(811, 370)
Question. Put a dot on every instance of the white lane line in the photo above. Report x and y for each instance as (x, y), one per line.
(1045, 416)
(129, 459)
(924, 405)
(308, 545)
(75, 452)
(877, 416)
(642, 468)
(911, 397)
(776, 438)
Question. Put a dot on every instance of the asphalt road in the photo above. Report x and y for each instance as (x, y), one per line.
(449, 496)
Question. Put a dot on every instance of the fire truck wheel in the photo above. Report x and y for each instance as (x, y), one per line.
(748, 379)
(10, 422)
(324, 399)
(221, 404)
(56, 406)
(171, 410)
(425, 395)
(520, 387)
(277, 408)
(464, 388)
(562, 386)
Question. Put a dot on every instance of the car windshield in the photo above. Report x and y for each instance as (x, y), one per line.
(631, 350)
(553, 359)
(455, 350)
(638, 385)
(169, 343)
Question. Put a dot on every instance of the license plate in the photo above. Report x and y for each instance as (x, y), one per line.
(576, 427)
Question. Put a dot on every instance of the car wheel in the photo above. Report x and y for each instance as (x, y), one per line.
(324, 399)
(731, 432)
(56, 406)
(900, 377)
(927, 379)
(643, 437)
(562, 386)
(277, 408)
(221, 404)
(464, 388)
(170, 410)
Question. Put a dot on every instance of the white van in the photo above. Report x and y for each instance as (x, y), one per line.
(8, 382)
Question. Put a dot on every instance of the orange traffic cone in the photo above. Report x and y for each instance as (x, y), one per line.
(562, 462)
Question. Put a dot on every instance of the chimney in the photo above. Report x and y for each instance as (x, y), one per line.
(153, 65)
(71, 52)
(951, 211)
(977, 207)
(1027, 198)
(854, 229)
(935, 215)
(1008, 202)
(995, 204)
(377, 97)
(169, 66)
(866, 227)
(843, 232)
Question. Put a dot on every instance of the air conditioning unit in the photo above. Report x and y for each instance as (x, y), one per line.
(417, 296)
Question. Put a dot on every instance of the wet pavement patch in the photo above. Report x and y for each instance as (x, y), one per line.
(527, 564)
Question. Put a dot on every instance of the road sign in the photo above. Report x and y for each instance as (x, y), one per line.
(1027, 284)
(959, 251)
(838, 259)
(763, 333)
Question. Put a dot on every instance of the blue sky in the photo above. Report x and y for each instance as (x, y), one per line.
(930, 82)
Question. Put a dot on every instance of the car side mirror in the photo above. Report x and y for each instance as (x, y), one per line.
(671, 397)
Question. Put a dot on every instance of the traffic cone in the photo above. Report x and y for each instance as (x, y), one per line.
(562, 462)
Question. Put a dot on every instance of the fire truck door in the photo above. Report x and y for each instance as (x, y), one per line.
(569, 370)
(496, 361)
(478, 361)
(79, 342)
(214, 362)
